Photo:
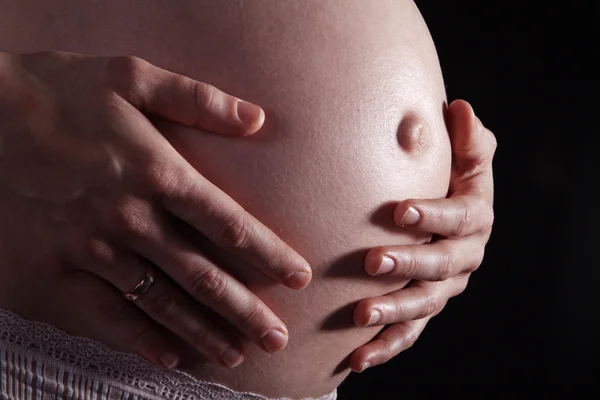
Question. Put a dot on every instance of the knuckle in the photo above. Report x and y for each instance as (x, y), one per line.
(252, 315)
(430, 307)
(485, 212)
(236, 232)
(400, 311)
(386, 351)
(131, 220)
(126, 74)
(210, 284)
(464, 221)
(390, 346)
(205, 95)
(437, 217)
(160, 305)
(173, 184)
(446, 266)
(412, 263)
(276, 261)
(384, 342)
(128, 66)
(162, 178)
(100, 251)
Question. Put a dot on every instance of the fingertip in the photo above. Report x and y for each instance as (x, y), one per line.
(357, 360)
(361, 315)
(361, 360)
(299, 279)
(275, 340)
(462, 126)
(251, 116)
(406, 214)
(157, 349)
(460, 103)
(166, 358)
(232, 357)
(461, 110)
(368, 317)
(373, 261)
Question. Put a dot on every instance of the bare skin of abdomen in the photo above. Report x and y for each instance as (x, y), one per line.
(354, 102)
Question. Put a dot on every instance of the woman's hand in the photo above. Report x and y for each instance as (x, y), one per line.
(441, 269)
(91, 195)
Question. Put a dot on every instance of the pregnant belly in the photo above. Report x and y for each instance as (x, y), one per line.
(354, 99)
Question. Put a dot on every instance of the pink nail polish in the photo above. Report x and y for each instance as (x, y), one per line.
(365, 366)
(386, 266)
(411, 217)
(374, 318)
(248, 113)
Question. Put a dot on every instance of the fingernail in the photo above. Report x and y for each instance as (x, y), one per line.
(386, 266)
(248, 113)
(374, 318)
(232, 357)
(365, 366)
(298, 280)
(411, 217)
(274, 341)
(169, 360)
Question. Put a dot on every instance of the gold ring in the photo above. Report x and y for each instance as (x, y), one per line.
(141, 288)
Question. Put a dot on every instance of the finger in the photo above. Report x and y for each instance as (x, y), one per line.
(473, 149)
(473, 146)
(110, 319)
(403, 334)
(388, 344)
(164, 302)
(457, 216)
(435, 261)
(181, 99)
(190, 197)
(157, 240)
(419, 300)
(193, 199)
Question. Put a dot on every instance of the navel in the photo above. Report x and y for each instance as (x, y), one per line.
(413, 133)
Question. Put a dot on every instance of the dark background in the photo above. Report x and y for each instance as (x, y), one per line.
(531, 313)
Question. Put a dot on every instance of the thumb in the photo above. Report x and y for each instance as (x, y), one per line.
(473, 146)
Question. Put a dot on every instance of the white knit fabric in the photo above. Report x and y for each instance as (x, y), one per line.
(38, 361)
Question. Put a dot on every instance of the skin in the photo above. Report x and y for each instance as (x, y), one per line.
(87, 215)
(325, 174)
(183, 139)
(441, 269)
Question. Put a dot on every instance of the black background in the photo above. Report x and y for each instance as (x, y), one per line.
(531, 313)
